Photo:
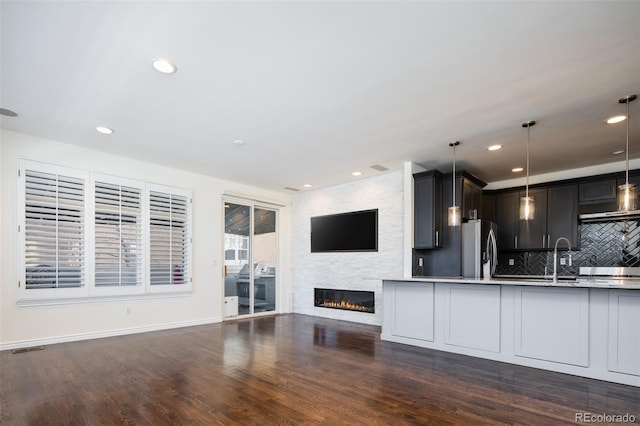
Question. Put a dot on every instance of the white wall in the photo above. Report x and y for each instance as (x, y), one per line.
(348, 271)
(21, 326)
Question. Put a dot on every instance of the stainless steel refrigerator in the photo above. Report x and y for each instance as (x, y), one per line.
(479, 249)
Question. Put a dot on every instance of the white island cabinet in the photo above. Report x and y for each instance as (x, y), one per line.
(591, 332)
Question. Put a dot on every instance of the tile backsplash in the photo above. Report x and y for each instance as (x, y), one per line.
(601, 244)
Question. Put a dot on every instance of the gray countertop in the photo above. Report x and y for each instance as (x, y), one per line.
(588, 282)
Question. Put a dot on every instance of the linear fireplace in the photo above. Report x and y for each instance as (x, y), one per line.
(350, 300)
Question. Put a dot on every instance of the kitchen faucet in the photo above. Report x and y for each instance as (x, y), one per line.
(555, 257)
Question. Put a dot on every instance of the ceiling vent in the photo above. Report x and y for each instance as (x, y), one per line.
(379, 167)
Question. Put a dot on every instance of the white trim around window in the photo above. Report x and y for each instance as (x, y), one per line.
(85, 236)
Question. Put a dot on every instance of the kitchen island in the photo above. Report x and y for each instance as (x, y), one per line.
(586, 327)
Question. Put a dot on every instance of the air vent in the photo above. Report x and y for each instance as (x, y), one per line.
(379, 167)
(291, 189)
(31, 349)
(8, 112)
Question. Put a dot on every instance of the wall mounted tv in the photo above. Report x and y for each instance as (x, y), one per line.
(352, 231)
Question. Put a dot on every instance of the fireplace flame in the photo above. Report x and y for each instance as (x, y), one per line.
(342, 305)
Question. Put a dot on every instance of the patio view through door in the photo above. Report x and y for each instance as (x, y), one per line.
(250, 258)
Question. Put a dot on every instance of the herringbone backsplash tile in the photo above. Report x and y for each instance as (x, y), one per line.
(601, 244)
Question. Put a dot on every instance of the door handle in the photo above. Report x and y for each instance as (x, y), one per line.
(516, 241)
(437, 238)
(543, 240)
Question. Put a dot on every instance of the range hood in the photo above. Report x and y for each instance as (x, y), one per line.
(609, 216)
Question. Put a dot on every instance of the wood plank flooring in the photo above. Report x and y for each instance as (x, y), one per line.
(286, 370)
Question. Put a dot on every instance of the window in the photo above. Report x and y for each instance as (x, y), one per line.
(119, 254)
(170, 239)
(54, 231)
(86, 235)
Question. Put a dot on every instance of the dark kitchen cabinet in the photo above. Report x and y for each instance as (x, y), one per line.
(562, 214)
(514, 233)
(556, 215)
(427, 219)
(506, 216)
(488, 206)
(598, 192)
(471, 199)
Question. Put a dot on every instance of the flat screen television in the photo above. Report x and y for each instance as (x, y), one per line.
(352, 231)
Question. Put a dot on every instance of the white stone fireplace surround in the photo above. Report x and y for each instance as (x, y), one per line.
(348, 270)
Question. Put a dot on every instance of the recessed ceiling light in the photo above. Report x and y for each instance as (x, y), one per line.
(517, 169)
(356, 173)
(616, 119)
(495, 147)
(617, 152)
(239, 142)
(308, 185)
(104, 130)
(164, 66)
(8, 112)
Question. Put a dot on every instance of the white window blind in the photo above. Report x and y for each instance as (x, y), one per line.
(85, 235)
(169, 238)
(119, 258)
(54, 249)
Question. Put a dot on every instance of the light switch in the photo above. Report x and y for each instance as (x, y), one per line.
(512, 262)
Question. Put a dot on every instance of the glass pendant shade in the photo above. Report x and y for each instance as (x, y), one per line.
(627, 197)
(453, 218)
(527, 208)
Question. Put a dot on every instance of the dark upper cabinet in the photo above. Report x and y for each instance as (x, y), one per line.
(506, 216)
(532, 234)
(598, 192)
(427, 222)
(471, 199)
(488, 206)
(514, 233)
(562, 214)
(556, 215)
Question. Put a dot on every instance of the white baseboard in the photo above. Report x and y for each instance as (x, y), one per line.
(102, 334)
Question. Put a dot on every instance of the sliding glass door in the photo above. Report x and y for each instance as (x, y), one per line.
(250, 252)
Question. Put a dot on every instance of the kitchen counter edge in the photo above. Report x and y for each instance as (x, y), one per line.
(628, 284)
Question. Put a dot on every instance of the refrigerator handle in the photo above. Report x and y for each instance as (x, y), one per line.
(492, 247)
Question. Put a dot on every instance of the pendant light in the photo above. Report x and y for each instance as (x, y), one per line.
(627, 193)
(527, 203)
(453, 218)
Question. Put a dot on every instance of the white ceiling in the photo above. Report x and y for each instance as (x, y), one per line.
(320, 89)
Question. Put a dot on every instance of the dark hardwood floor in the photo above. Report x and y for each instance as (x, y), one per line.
(289, 369)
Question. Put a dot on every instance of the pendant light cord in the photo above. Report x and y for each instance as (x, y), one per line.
(627, 176)
(528, 143)
(528, 125)
(453, 203)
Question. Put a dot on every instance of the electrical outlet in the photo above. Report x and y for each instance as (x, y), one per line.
(512, 262)
(127, 310)
(419, 261)
(563, 261)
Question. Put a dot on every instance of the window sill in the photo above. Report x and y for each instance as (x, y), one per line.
(99, 299)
